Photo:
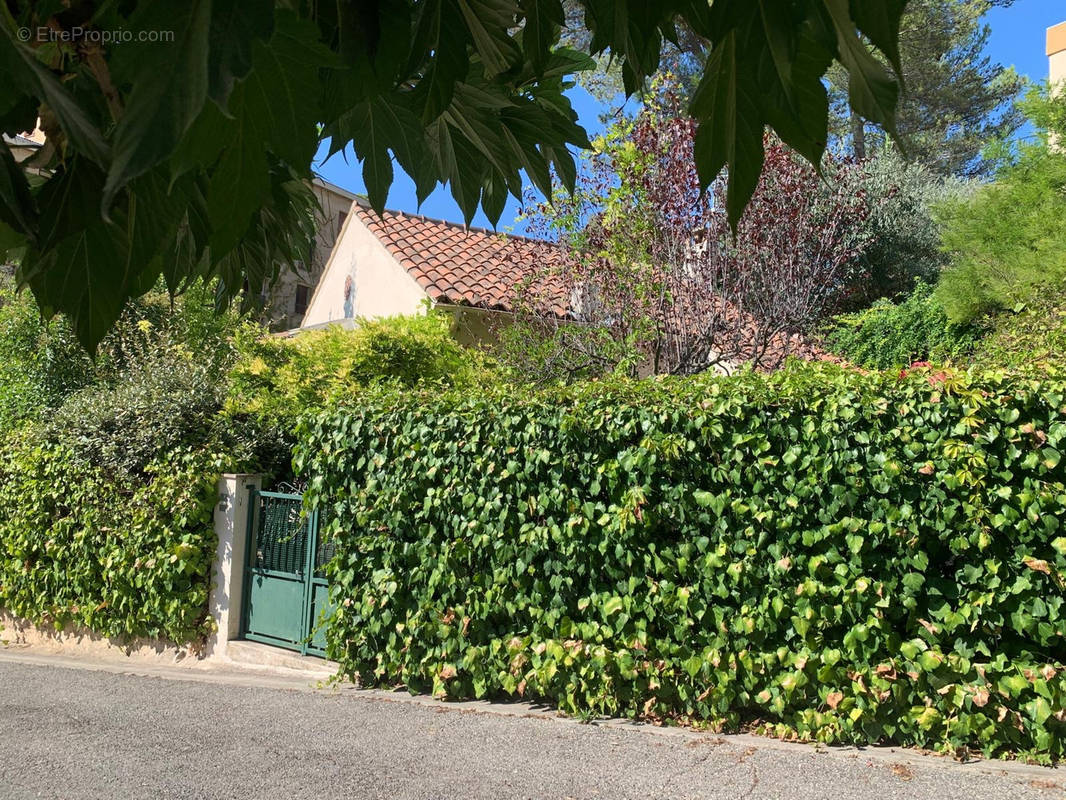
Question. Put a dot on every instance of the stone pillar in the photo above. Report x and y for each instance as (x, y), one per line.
(227, 573)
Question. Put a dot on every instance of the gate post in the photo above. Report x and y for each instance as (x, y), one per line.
(227, 572)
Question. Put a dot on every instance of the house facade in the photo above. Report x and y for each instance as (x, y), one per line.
(401, 263)
(291, 295)
(1056, 52)
(23, 145)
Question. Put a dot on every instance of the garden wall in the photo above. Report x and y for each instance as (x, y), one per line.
(819, 553)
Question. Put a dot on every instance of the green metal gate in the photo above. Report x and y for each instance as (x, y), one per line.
(286, 599)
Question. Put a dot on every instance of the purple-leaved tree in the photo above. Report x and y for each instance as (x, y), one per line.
(658, 283)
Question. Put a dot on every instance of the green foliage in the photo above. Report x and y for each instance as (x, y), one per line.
(1034, 336)
(958, 99)
(163, 402)
(40, 363)
(888, 335)
(278, 380)
(830, 555)
(902, 243)
(1007, 242)
(123, 559)
(540, 354)
(203, 143)
(107, 478)
(1045, 109)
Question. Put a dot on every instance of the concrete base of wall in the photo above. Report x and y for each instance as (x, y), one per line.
(254, 654)
(80, 642)
(85, 648)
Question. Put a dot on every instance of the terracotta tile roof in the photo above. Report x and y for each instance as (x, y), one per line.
(457, 265)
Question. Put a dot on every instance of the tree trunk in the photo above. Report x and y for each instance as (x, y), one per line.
(858, 136)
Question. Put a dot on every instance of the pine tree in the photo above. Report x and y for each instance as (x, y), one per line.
(956, 99)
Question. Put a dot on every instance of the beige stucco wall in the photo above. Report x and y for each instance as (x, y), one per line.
(1056, 51)
(20, 154)
(381, 287)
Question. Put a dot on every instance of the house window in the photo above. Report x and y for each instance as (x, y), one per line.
(303, 296)
(341, 216)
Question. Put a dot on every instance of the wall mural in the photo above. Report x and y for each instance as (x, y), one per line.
(349, 293)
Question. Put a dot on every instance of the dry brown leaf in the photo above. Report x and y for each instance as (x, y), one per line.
(1037, 564)
(903, 772)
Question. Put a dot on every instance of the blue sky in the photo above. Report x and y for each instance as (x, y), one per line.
(1017, 38)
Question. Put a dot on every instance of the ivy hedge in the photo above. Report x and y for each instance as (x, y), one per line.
(124, 561)
(817, 553)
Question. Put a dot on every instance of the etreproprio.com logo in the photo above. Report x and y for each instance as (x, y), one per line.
(77, 35)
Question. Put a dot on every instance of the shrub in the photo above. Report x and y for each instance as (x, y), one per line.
(817, 553)
(890, 335)
(1007, 243)
(40, 363)
(279, 379)
(903, 244)
(163, 402)
(1034, 335)
(122, 559)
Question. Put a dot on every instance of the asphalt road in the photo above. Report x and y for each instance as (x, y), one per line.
(78, 733)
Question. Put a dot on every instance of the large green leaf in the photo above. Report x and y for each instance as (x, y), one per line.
(157, 208)
(23, 70)
(69, 201)
(872, 90)
(494, 198)
(236, 189)
(563, 62)
(280, 97)
(376, 127)
(188, 259)
(85, 276)
(203, 142)
(236, 25)
(439, 30)
(879, 22)
(274, 109)
(12, 243)
(543, 19)
(522, 128)
(164, 100)
(18, 209)
(489, 23)
(796, 103)
(730, 130)
(465, 185)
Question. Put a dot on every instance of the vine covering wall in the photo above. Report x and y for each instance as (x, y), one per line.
(819, 554)
(124, 560)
